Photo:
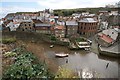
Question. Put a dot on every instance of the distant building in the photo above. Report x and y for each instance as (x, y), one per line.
(103, 12)
(4, 29)
(13, 26)
(42, 28)
(71, 28)
(108, 37)
(59, 31)
(103, 25)
(112, 33)
(87, 27)
(26, 25)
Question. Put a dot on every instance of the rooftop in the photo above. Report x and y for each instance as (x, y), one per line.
(88, 20)
(42, 24)
(71, 23)
(59, 27)
(106, 38)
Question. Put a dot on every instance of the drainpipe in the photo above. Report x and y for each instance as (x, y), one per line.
(66, 27)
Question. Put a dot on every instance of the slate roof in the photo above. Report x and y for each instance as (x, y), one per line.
(59, 27)
(88, 20)
(71, 23)
(106, 38)
(37, 21)
(42, 24)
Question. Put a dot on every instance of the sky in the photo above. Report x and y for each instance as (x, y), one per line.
(12, 6)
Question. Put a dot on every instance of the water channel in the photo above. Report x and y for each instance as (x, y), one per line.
(82, 59)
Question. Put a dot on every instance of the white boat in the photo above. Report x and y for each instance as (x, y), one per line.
(83, 44)
(87, 49)
(61, 55)
(86, 73)
(51, 46)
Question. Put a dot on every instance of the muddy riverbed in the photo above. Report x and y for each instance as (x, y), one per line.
(78, 60)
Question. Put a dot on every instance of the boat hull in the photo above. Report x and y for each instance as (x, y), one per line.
(61, 55)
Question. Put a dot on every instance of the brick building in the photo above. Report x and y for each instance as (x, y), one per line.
(71, 28)
(87, 27)
(59, 31)
(26, 25)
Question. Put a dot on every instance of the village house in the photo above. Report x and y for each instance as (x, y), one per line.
(71, 28)
(103, 12)
(26, 25)
(108, 37)
(103, 25)
(13, 25)
(30, 15)
(87, 27)
(3, 28)
(42, 28)
(59, 31)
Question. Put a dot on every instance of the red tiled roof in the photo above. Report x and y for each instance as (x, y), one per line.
(59, 27)
(106, 38)
(52, 22)
(115, 26)
(51, 16)
(37, 21)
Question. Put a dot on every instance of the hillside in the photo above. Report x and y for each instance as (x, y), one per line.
(68, 12)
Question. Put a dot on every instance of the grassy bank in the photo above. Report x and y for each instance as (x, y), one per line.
(26, 66)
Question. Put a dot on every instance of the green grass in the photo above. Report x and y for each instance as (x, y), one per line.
(8, 40)
(80, 39)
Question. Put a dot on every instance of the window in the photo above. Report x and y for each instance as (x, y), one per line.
(56, 31)
(25, 25)
(83, 33)
(29, 24)
(81, 27)
(84, 27)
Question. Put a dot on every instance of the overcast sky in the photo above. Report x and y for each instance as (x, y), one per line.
(12, 6)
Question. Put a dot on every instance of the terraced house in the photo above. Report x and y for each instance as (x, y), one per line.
(59, 31)
(71, 28)
(26, 25)
(42, 28)
(87, 27)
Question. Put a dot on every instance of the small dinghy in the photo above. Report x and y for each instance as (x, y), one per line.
(61, 55)
(51, 46)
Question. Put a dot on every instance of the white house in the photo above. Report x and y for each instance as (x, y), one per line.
(111, 33)
(13, 25)
(104, 25)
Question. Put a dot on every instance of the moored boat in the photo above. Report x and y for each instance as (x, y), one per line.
(61, 55)
(51, 46)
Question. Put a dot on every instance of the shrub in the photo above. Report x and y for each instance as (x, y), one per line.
(26, 66)
(80, 39)
(65, 73)
(9, 54)
(8, 40)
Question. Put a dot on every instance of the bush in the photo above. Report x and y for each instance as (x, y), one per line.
(80, 39)
(9, 54)
(26, 66)
(53, 38)
(8, 40)
(65, 73)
